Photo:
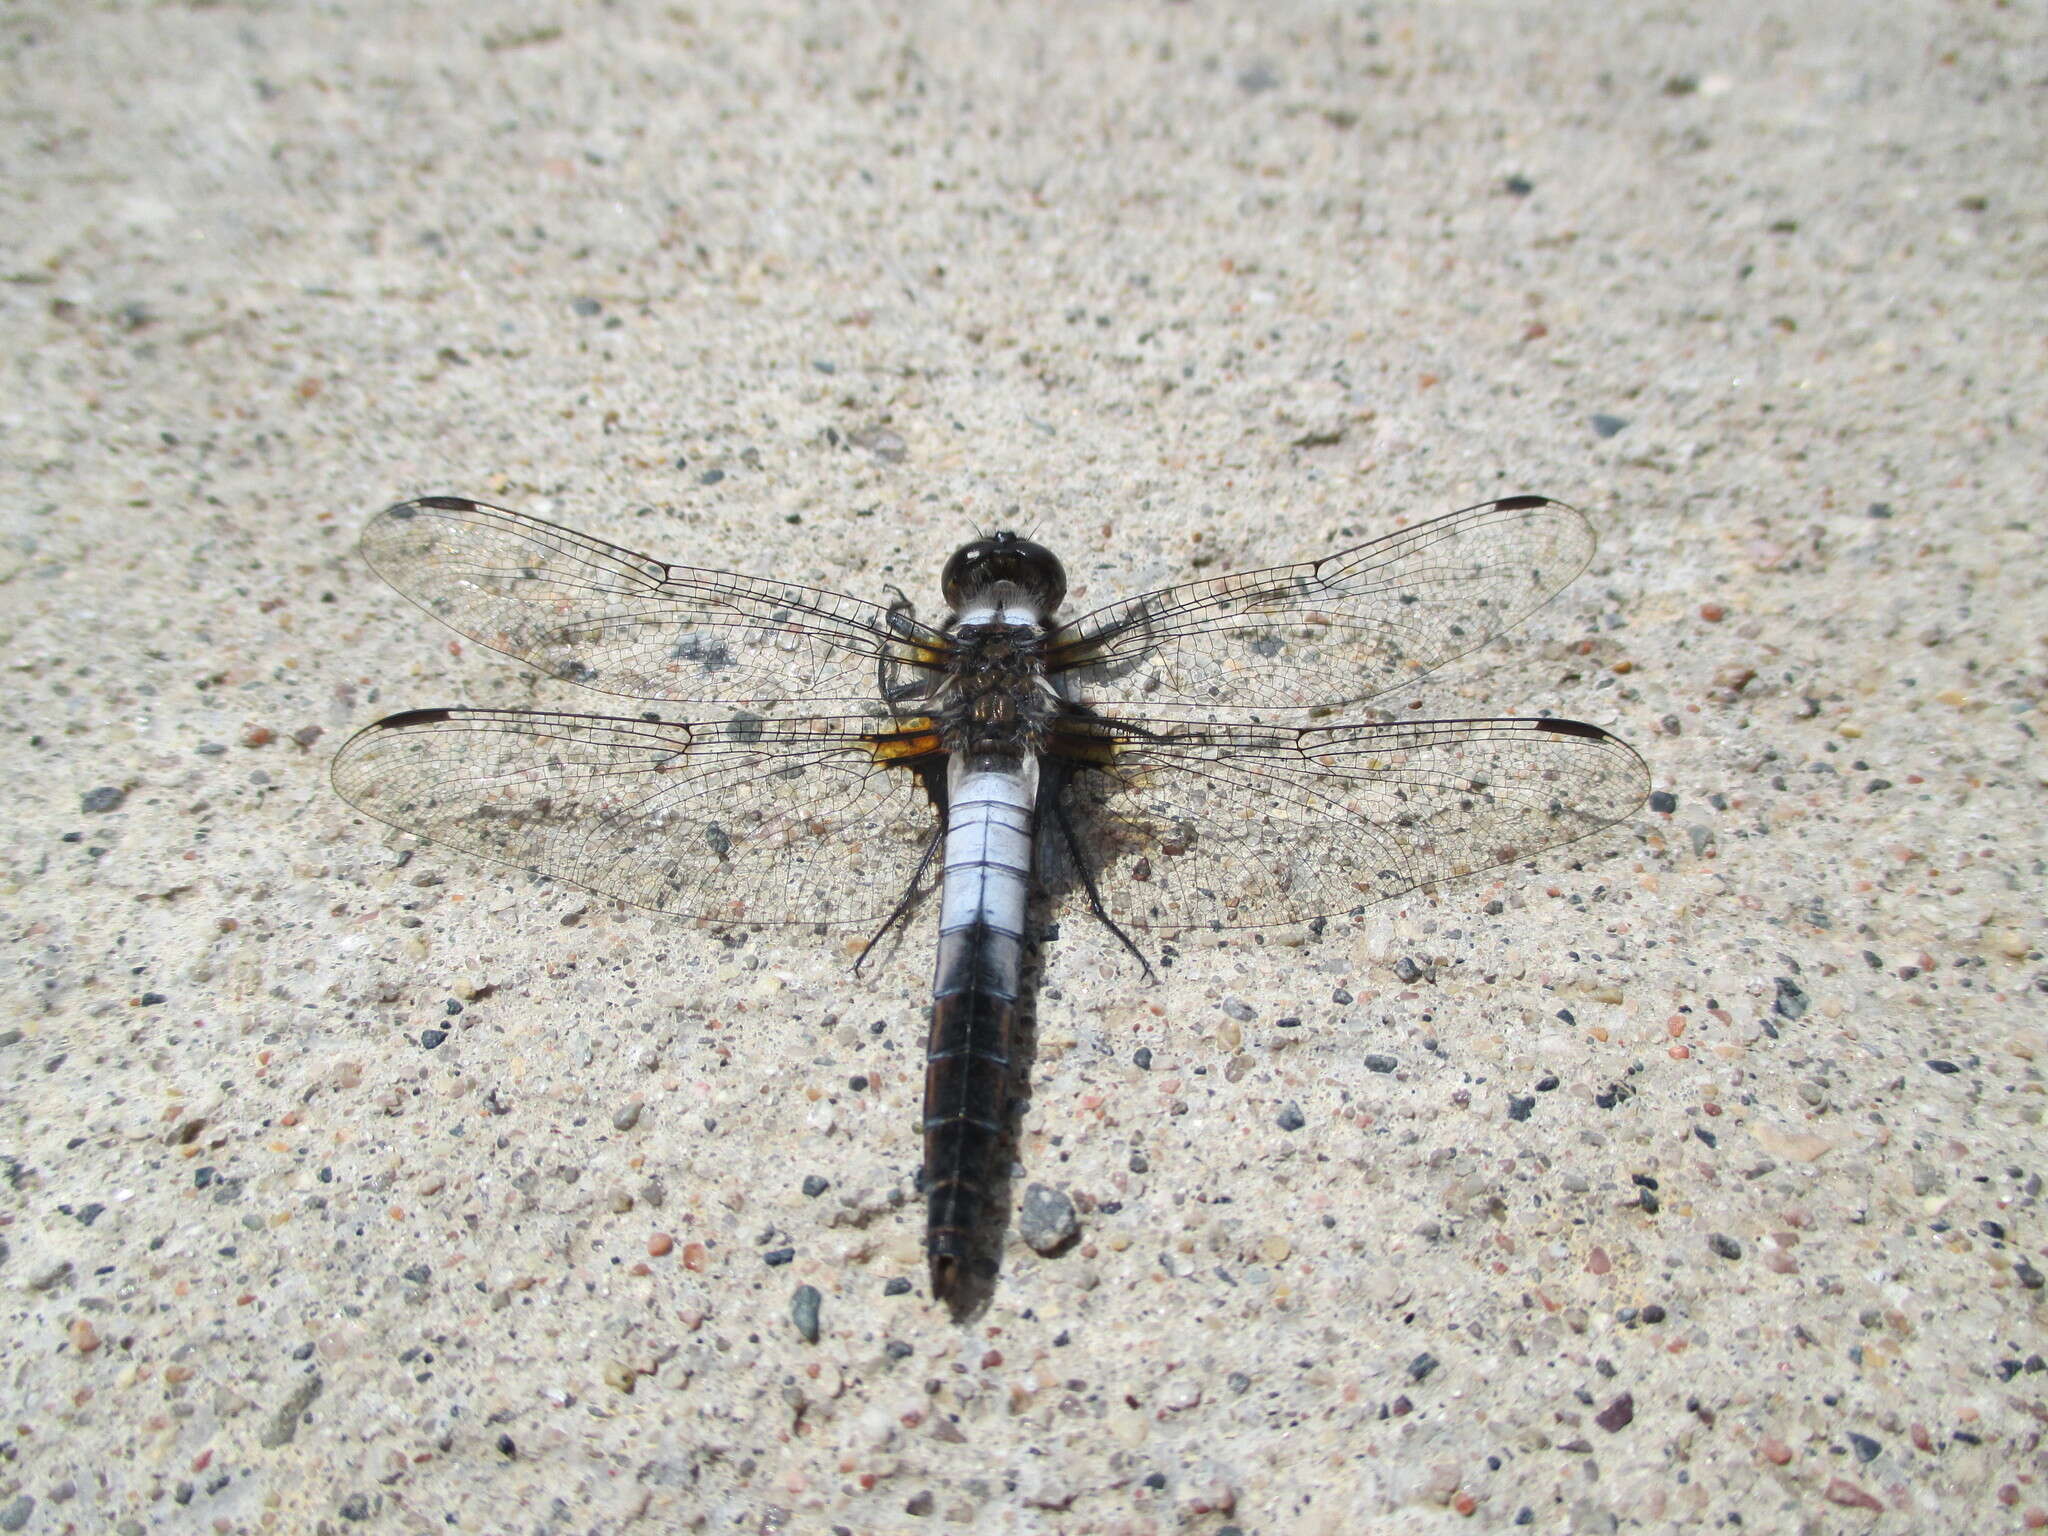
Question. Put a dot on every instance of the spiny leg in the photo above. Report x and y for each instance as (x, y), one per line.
(890, 681)
(910, 897)
(1065, 823)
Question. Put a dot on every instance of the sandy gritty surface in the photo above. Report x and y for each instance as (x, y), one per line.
(1689, 1174)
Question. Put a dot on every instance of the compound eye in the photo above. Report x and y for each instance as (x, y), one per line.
(1040, 573)
(961, 574)
(1004, 560)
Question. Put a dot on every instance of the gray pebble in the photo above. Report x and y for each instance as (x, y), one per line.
(93, 802)
(1290, 1117)
(285, 1422)
(1607, 426)
(803, 1311)
(1724, 1245)
(1420, 1367)
(885, 445)
(16, 1514)
(1239, 1010)
(1407, 970)
(1380, 1063)
(627, 1117)
(1046, 1219)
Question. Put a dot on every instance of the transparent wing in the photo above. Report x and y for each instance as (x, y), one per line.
(592, 613)
(1245, 826)
(748, 820)
(1334, 632)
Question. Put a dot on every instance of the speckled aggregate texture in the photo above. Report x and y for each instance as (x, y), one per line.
(1687, 1174)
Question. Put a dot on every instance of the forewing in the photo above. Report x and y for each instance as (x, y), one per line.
(592, 613)
(748, 820)
(1248, 826)
(1337, 631)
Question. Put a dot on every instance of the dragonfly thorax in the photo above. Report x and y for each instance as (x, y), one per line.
(994, 699)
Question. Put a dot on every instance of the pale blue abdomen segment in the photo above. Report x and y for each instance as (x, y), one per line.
(990, 823)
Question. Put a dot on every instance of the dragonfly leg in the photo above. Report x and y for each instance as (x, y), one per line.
(910, 897)
(1067, 834)
(891, 682)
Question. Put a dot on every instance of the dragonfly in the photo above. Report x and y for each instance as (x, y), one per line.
(1217, 754)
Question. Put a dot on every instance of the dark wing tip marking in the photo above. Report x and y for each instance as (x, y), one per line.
(411, 717)
(1524, 503)
(437, 503)
(1575, 728)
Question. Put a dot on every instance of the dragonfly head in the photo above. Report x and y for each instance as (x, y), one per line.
(1004, 559)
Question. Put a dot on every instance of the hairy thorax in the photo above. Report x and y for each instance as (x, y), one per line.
(995, 702)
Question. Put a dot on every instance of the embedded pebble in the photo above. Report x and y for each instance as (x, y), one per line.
(1046, 1218)
(803, 1311)
(284, 1423)
(1617, 1415)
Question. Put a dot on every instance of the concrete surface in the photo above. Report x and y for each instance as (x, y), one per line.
(1704, 1180)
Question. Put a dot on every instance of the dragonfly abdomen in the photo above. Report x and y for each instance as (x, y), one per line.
(991, 803)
